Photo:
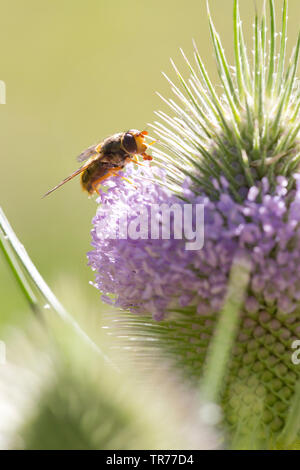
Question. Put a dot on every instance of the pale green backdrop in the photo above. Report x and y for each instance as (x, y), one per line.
(77, 71)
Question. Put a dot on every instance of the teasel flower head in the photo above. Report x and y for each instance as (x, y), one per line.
(236, 152)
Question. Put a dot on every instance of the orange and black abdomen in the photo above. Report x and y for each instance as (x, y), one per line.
(96, 173)
(93, 172)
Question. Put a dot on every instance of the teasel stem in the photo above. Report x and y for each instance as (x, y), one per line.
(22, 266)
(17, 271)
(221, 345)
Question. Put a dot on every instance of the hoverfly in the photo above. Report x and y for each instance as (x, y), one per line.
(108, 158)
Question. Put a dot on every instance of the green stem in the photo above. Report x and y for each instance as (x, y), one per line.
(221, 345)
(21, 261)
(18, 273)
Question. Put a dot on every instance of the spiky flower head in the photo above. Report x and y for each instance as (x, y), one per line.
(249, 132)
(237, 154)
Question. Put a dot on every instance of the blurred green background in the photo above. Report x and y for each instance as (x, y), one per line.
(76, 72)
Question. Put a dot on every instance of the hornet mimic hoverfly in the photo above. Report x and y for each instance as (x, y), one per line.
(108, 158)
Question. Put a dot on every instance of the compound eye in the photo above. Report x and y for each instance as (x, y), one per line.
(129, 143)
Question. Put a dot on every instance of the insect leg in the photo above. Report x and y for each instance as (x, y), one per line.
(110, 172)
(135, 160)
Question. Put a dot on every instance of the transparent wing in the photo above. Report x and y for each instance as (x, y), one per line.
(89, 152)
(77, 172)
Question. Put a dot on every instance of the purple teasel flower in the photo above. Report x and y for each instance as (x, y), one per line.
(238, 155)
(162, 278)
(152, 276)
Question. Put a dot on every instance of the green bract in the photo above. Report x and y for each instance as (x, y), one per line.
(251, 130)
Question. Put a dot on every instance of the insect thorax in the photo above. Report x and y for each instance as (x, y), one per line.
(112, 144)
